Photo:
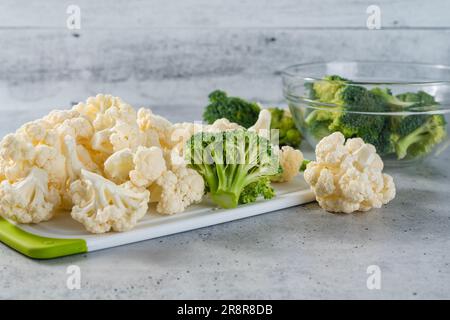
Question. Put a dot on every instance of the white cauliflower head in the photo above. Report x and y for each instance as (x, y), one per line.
(118, 166)
(147, 120)
(30, 200)
(149, 164)
(176, 190)
(347, 177)
(17, 157)
(290, 160)
(101, 205)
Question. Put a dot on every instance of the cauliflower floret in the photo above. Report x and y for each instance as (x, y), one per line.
(53, 162)
(149, 164)
(57, 117)
(174, 159)
(78, 128)
(101, 205)
(119, 165)
(77, 159)
(180, 133)
(126, 135)
(34, 132)
(262, 125)
(97, 105)
(290, 160)
(347, 177)
(100, 142)
(176, 190)
(29, 200)
(17, 157)
(221, 125)
(146, 120)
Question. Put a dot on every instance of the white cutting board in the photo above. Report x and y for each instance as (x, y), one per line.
(154, 225)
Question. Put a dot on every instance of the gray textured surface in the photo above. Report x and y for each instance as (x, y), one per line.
(301, 252)
(169, 55)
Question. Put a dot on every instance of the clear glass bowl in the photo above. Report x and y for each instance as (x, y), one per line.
(379, 119)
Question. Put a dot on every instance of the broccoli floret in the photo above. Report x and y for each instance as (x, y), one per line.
(346, 97)
(288, 133)
(233, 162)
(318, 123)
(235, 109)
(392, 101)
(411, 136)
(418, 99)
(353, 124)
(414, 135)
(246, 113)
(327, 90)
(256, 189)
(418, 134)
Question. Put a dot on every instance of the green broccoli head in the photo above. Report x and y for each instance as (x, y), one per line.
(352, 121)
(418, 99)
(235, 109)
(233, 162)
(318, 123)
(347, 116)
(392, 101)
(256, 189)
(327, 90)
(418, 134)
(288, 133)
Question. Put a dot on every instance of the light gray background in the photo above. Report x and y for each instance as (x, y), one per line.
(168, 55)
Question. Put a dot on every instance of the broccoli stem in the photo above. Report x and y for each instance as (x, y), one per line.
(402, 145)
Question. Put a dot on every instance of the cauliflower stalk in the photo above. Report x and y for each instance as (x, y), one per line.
(101, 205)
(347, 176)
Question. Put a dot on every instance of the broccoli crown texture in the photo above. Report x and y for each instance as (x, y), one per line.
(418, 135)
(234, 165)
(235, 109)
(288, 133)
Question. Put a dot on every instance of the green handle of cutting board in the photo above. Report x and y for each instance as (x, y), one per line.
(38, 247)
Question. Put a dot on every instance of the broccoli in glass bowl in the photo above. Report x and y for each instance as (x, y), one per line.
(404, 119)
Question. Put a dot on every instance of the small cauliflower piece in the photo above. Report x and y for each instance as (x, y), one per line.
(30, 200)
(118, 166)
(97, 105)
(221, 125)
(147, 120)
(53, 162)
(17, 157)
(126, 135)
(347, 176)
(176, 190)
(78, 128)
(77, 159)
(262, 125)
(290, 160)
(149, 164)
(101, 205)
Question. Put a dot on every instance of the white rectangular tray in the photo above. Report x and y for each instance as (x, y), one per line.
(155, 225)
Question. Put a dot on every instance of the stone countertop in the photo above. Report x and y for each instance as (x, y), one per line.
(301, 252)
